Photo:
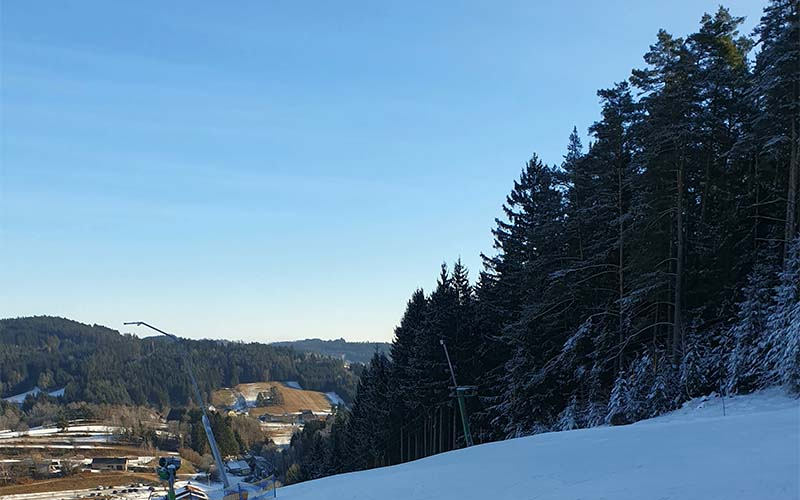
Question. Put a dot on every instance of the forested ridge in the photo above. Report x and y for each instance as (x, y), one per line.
(356, 352)
(660, 263)
(99, 365)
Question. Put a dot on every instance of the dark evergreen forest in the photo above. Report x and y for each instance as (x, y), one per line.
(660, 263)
(99, 365)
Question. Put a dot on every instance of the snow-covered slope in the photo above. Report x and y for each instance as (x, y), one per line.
(20, 398)
(694, 453)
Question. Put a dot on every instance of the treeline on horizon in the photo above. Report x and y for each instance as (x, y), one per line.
(96, 364)
(660, 264)
(355, 352)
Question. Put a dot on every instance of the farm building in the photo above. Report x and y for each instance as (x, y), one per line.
(107, 463)
(46, 468)
(284, 419)
(176, 414)
(238, 467)
(190, 492)
(308, 416)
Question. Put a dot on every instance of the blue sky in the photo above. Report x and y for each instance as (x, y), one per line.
(277, 170)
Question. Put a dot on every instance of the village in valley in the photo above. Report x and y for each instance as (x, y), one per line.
(108, 459)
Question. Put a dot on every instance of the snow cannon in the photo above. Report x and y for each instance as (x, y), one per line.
(169, 462)
(167, 467)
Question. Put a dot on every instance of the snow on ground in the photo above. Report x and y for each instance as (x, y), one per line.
(215, 490)
(58, 446)
(281, 433)
(140, 493)
(18, 399)
(293, 384)
(334, 398)
(83, 430)
(694, 453)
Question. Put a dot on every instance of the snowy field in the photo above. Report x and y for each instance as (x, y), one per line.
(113, 492)
(20, 398)
(334, 398)
(695, 453)
(75, 437)
(81, 430)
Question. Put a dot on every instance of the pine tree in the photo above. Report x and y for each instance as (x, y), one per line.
(745, 361)
(570, 417)
(781, 345)
(429, 362)
(719, 191)
(634, 276)
(336, 451)
(700, 365)
(491, 355)
(777, 89)
(531, 245)
(664, 392)
(368, 429)
(294, 474)
(671, 166)
(641, 380)
(618, 412)
(405, 380)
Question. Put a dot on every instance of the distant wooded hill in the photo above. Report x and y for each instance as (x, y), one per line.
(354, 352)
(97, 364)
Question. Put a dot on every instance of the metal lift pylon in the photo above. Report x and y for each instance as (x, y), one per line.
(199, 396)
(460, 392)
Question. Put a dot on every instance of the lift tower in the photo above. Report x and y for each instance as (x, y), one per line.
(460, 392)
(199, 396)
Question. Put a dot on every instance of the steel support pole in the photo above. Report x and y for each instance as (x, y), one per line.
(199, 396)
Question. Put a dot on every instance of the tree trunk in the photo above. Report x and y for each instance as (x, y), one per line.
(454, 428)
(794, 153)
(677, 322)
(620, 274)
(401, 444)
(791, 195)
(706, 190)
(441, 443)
(755, 187)
(425, 437)
(433, 433)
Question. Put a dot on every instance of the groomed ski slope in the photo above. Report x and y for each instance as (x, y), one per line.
(753, 453)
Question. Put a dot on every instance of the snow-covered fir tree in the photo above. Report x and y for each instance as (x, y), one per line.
(699, 364)
(781, 343)
(640, 383)
(619, 411)
(664, 391)
(570, 417)
(652, 268)
(746, 357)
